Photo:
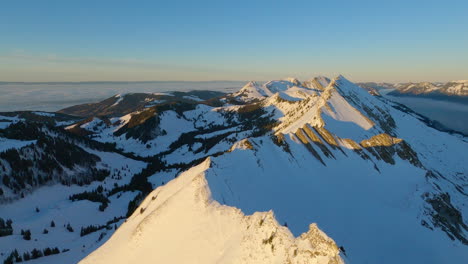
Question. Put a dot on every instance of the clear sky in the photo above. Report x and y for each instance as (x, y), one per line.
(115, 40)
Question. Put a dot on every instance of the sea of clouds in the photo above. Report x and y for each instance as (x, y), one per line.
(53, 97)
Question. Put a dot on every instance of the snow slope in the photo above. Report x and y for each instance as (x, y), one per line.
(41, 167)
(180, 223)
(371, 214)
(6, 144)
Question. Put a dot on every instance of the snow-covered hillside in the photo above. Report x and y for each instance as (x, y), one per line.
(180, 223)
(375, 177)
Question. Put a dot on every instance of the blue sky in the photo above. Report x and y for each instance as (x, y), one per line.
(233, 40)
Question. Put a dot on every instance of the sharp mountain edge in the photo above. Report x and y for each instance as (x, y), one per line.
(320, 171)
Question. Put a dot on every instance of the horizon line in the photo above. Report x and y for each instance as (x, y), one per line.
(78, 82)
(185, 81)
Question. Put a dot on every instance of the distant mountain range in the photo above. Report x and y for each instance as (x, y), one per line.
(451, 91)
(111, 82)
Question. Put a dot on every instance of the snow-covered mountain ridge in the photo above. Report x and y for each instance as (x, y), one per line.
(180, 222)
(454, 90)
(373, 175)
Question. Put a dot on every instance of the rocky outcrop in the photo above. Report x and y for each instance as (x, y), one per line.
(447, 217)
(384, 146)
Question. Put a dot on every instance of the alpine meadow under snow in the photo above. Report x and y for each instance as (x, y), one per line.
(320, 171)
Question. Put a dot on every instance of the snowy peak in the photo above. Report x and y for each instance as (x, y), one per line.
(293, 80)
(319, 83)
(353, 93)
(418, 88)
(346, 86)
(341, 101)
(281, 85)
(252, 90)
(454, 90)
(250, 85)
(459, 88)
(331, 109)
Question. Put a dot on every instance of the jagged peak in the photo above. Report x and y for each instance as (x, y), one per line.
(346, 86)
(252, 90)
(293, 80)
(318, 82)
(341, 78)
(250, 84)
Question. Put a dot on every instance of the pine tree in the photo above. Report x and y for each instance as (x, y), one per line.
(16, 256)
(8, 260)
(26, 256)
(52, 224)
(5, 227)
(26, 234)
(36, 254)
(47, 251)
(69, 228)
(103, 206)
(55, 250)
(13, 257)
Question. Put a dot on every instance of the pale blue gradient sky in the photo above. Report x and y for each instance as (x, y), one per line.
(393, 41)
